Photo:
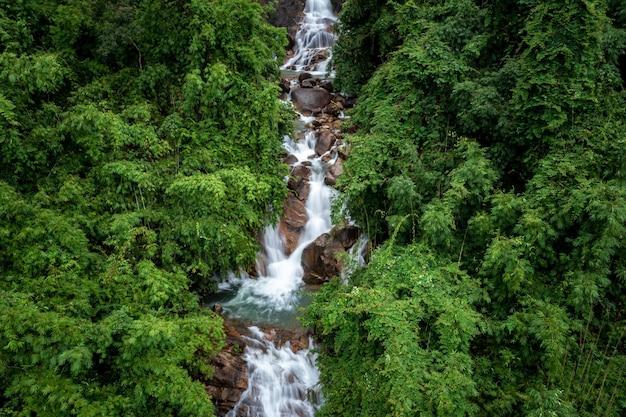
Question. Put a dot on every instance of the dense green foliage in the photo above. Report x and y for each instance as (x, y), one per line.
(139, 144)
(489, 166)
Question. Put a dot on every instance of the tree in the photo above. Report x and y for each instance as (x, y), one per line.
(140, 153)
(492, 136)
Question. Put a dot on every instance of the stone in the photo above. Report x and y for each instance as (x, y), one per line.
(291, 236)
(290, 159)
(319, 259)
(285, 85)
(308, 83)
(299, 182)
(346, 234)
(333, 109)
(327, 85)
(344, 152)
(294, 212)
(310, 99)
(304, 76)
(325, 141)
(334, 172)
(230, 378)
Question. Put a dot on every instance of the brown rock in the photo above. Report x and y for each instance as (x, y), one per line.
(319, 259)
(310, 99)
(230, 378)
(304, 76)
(291, 235)
(308, 83)
(346, 234)
(327, 85)
(334, 172)
(325, 141)
(344, 152)
(290, 159)
(333, 109)
(294, 212)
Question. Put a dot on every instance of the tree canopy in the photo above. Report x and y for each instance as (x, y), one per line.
(139, 157)
(488, 168)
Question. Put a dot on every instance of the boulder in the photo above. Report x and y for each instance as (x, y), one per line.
(285, 86)
(327, 85)
(310, 99)
(334, 172)
(291, 236)
(304, 76)
(301, 187)
(319, 259)
(346, 234)
(333, 109)
(290, 159)
(230, 378)
(344, 151)
(294, 212)
(308, 83)
(325, 141)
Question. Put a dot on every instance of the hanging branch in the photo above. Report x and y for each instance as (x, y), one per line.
(138, 51)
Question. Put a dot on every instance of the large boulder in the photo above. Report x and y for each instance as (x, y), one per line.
(291, 236)
(294, 212)
(319, 259)
(310, 99)
(347, 235)
(230, 378)
(293, 220)
(325, 141)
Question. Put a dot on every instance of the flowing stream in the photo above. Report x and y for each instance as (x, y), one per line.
(283, 382)
(314, 39)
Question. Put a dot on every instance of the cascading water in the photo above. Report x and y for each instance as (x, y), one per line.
(314, 39)
(280, 382)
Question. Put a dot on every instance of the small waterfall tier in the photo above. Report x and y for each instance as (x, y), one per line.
(314, 39)
(281, 382)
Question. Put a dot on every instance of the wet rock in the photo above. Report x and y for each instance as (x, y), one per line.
(285, 85)
(291, 236)
(290, 159)
(294, 212)
(325, 141)
(333, 109)
(310, 99)
(319, 259)
(346, 234)
(327, 85)
(308, 83)
(230, 377)
(334, 172)
(344, 151)
(299, 182)
(304, 76)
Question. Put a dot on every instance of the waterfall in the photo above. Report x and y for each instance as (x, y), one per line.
(314, 39)
(282, 382)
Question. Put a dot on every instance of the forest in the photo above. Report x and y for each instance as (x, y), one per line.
(488, 168)
(140, 155)
(140, 150)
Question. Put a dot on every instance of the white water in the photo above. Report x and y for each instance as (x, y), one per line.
(314, 37)
(275, 295)
(283, 383)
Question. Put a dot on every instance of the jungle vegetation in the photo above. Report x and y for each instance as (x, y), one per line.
(488, 168)
(139, 156)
